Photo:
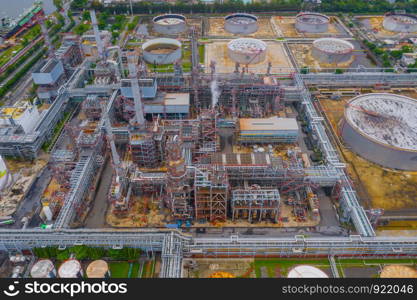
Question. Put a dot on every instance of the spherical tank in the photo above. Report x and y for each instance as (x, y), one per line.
(312, 22)
(241, 23)
(161, 51)
(381, 128)
(332, 51)
(169, 24)
(247, 51)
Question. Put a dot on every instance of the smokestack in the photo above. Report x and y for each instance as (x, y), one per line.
(132, 59)
(99, 42)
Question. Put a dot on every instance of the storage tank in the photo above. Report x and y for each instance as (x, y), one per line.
(247, 51)
(70, 268)
(398, 22)
(398, 271)
(305, 271)
(98, 269)
(5, 177)
(312, 22)
(381, 128)
(43, 268)
(241, 23)
(332, 51)
(162, 51)
(169, 24)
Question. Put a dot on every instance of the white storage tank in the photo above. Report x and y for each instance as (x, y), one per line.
(241, 23)
(98, 269)
(305, 271)
(381, 127)
(43, 268)
(399, 22)
(247, 51)
(71, 268)
(332, 51)
(162, 51)
(169, 24)
(312, 22)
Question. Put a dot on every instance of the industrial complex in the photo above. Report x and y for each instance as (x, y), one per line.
(207, 145)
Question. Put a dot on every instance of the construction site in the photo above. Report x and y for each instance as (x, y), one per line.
(214, 128)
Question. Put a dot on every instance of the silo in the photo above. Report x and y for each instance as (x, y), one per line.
(43, 268)
(381, 128)
(241, 23)
(398, 271)
(332, 51)
(312, 22)
(70, 268)
(162, 51)
(98, 269)
(247, 51)
(169, 24)
(305, 271)
(398, 22)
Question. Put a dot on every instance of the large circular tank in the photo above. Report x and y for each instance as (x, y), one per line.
(398, 271)
(241, 23)
(381, 127)
(43, 268)
(312, 22)
(169, 24)
(98, 269)
(304, 271)
(400, 22)
(4, 174)
(161, 51)
(332, 51)
(247, 51)
(71, 268)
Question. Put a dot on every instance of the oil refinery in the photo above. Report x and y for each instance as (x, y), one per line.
(209, 146)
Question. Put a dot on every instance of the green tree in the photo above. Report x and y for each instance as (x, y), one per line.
(58, 4)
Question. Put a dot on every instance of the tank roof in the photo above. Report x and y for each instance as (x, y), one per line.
(305, 271)
(332, 45)
(97, 269)
(247, 45)
(41, 268)
(385, 118)
(69, 268)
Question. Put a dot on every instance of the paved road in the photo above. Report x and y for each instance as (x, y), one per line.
(96, 217)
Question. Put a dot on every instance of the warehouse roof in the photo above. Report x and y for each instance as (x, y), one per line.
(268, 124)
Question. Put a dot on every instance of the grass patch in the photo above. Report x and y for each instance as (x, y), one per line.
(284, 265)
(119, 269)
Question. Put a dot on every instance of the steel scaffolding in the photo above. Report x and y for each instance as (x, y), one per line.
(255, 203)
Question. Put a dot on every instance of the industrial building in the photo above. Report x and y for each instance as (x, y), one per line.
(380, 127)
(241, 23)
(268, 130)
(49, 77)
